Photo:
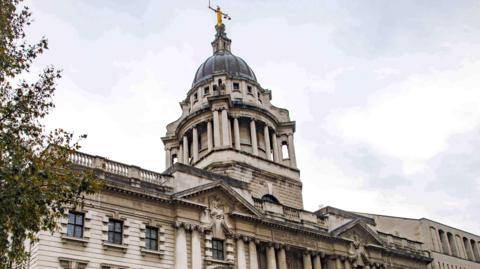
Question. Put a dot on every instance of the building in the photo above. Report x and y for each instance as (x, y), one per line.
(230, 197)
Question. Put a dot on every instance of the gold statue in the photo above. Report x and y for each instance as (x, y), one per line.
(220, 14)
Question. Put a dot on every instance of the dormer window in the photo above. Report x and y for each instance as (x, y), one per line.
(206, 91)
(236, 86)
(249, 90)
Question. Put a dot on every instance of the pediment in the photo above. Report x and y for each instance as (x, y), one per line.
(358, 232)
(219, 194)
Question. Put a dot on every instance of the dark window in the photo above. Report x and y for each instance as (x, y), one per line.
(115, 231)
(249, 90)
(270, 198)
(217, 249)
(75, 224)
(151, 238)
(236, 86)
(206, 90)
(195, 97)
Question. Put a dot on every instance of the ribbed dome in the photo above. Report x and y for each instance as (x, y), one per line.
(223, 62)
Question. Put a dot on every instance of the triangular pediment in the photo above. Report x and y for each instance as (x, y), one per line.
(358, 232)
(220, 193)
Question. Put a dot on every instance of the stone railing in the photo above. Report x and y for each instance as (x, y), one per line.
(397, 242)
(287, 213)
(116, 168)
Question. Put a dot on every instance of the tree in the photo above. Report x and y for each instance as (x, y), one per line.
(37, 182)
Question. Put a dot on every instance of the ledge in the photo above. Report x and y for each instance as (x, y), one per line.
(122, 247)
(67, 239)
(152, 252)
(211, 260)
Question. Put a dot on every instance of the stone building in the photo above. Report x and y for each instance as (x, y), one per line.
(230, 197)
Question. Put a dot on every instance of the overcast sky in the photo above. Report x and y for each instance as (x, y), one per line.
(385, 93)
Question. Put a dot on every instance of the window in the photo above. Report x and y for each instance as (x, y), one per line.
(236, 86)
(285, 151)
(249, 90)
(217, 249)
(115, 231)
(270, 198)
(206, 90)
(68, 264)
(258, 96)
(151, 238)
(195, 97)
(75, 224)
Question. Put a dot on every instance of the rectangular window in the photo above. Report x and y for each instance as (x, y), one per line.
(115, 231)
(75, 224)
(249, 90)
(67, 264)
(151, 238)
(206, 90)
(217, 249)
(195, 97)
(236, 86)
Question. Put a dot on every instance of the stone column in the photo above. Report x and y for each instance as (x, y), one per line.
(236, 133)
(225, 127)
(266, 134)
(252, 251)
(275, 147)
(348, 265)
(185, 150)
(291, 151)
(195, 144)
(271, 260)
(317, 263)
(196, 250)
(209, 136)
(241, 258)
(338, 263)
(168, 158)
(307, 261)
(216, 129)
(180, 249)
(180, 154)
(282, 258)
(253, 136)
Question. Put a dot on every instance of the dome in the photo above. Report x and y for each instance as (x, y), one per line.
(223, 63)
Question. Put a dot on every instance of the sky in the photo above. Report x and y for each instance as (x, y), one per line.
(384, 93)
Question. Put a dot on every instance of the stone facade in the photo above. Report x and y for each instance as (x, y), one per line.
(230, 197)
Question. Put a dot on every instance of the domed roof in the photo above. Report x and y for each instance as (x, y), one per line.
(223, 62)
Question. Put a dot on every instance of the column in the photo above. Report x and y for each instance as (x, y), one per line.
(317, 263)
(195, 144)
(196, 250)
(252, 251)
(271, 260)
(253, 136)
(225, 127)
(180, 153)
(209, 136)
(348, 265)
(275, 147)
(236, 133)
(307, 261)
(266, 134)
(168, 158)
(338, 263)
(216, 129)
(180, 249)
(282, 258)
(291, 151)
(185, 150)
(241, 258)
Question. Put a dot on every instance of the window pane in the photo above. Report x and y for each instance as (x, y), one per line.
(118, 227)
(71, 218)
(79, 219)
(70, 229)
(110, 237)
(78, 231)
(110, 225)
(117, 238)
(81, 265)
(65, 264)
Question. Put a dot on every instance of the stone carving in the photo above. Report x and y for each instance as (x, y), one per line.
(357, 252)
(215, 218)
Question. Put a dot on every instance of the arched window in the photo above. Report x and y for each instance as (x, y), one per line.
(285, 151)
(270, 198)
